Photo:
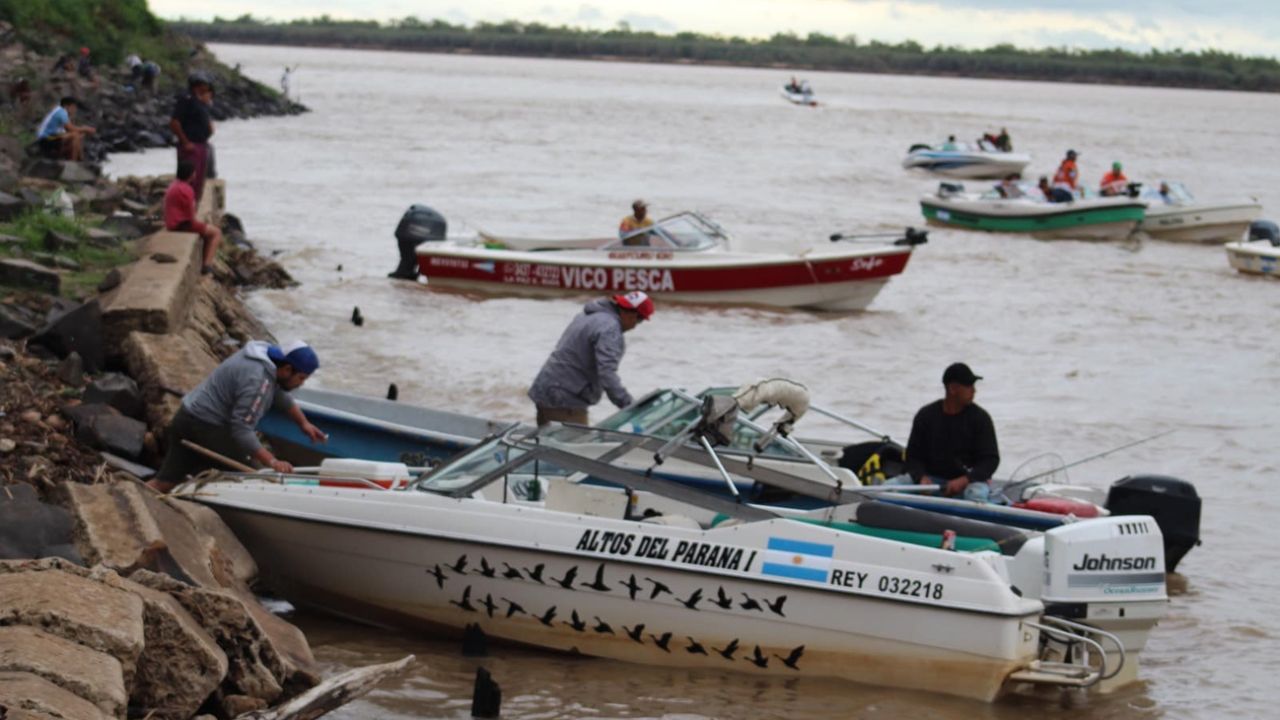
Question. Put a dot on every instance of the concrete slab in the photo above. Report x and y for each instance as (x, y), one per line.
(154, 296)
(25, 692)
(94, 676)
(166, 368)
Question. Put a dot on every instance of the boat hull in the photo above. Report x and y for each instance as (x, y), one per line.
(966, 165)
(820, 282)
(806, 99)
(1076, 221)
(1257, 257)
(1199, 223)
(526, 586)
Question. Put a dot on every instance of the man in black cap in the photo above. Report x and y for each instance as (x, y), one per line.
(953, 441)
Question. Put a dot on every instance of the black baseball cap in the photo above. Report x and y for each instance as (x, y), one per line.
(959, 373)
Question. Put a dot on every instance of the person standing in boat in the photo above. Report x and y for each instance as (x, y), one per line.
(953, 441)
(223, 412)
(1068, 175)
(584, 365)
(638, 220)
(1114, 183)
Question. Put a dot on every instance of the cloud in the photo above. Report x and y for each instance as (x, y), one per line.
(651, 23)
(588, 14)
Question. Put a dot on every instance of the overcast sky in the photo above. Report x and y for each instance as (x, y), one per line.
(1250, 27)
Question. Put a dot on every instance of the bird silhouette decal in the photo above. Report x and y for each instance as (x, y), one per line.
(489, 604)
(566, 582)
(790, 660)
(598, 584)
(636, 633)
(662, 640)
(750, 603)
(485, 569)
(511, 573)
(576, 623)
(513, 608)
(459, 567)
(548, 616)
(776, 605)
(694, 647)
(602, 627)
(658, 589)
(536, 573)
(465, 603)
(729, 650)
(632, 586)
(438, 574)
(722, 599)
(760, 660)
(692, 601)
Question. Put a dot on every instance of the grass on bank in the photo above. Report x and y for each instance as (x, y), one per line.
(95, 262)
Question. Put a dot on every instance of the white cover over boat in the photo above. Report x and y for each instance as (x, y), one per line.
(1177, 216)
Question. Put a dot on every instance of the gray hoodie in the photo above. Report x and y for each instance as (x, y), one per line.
(585, 362)
(238, 393)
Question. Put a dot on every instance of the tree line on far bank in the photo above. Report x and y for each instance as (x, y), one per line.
(1207, 69)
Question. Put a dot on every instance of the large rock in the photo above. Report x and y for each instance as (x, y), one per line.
(76, 330)
(230, 555)
(76, 609)
(76, 172)
(116, 390)
(114, 433)
(24, 273)
(166, 368)
(43, 169)
(30, 528)
(24, 692)
(125, 528)
(93, 675)
(266, 655)
(154, 296)
(17, 322)
(126, 227)
(10, 206)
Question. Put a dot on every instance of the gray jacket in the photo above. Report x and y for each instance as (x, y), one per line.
(238, 393)
(584, 364)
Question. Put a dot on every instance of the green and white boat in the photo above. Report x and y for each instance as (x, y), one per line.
(1098, 218)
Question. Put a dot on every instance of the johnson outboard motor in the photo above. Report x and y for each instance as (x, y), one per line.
(418, 225)
(1264, 230)
(1172, 502)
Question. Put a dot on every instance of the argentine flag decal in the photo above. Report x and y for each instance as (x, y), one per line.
(797, 559)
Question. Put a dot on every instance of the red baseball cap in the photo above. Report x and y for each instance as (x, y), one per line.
(638, 301)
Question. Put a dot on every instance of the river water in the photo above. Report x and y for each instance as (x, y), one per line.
(1084, 346)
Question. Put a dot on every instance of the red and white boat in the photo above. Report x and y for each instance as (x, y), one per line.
(684, 257)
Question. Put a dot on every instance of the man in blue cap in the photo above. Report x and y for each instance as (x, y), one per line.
(222, 413)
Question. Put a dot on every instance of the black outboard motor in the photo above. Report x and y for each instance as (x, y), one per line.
(418, 225)
(1172, 502)
(1264, 230)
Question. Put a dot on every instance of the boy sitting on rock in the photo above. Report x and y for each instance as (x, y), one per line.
(180, 214)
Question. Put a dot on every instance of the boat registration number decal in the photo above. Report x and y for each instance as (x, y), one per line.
(685, 552)
(888, 584)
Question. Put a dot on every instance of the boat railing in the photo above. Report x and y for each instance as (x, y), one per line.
(1086, 658)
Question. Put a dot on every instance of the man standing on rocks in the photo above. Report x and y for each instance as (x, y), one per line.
(190, 121)
(584, 364)
(180, 214)
(223, 412)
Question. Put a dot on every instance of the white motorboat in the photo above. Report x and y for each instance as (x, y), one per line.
(1092, 218)
(646, 570)
(965, 161)
(684, 258)
(801, 95)
(1259, 254)
(1173, 214)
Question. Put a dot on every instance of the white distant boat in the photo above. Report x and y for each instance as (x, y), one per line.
(802, 95)
(1177, 216)
(1259, 254)
(965, 161)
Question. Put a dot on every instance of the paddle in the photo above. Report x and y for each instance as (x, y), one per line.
(911, 237)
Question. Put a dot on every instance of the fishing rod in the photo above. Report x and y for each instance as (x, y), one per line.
(912, 236)
(1091, 458)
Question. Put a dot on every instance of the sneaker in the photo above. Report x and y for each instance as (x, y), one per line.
(206, 270)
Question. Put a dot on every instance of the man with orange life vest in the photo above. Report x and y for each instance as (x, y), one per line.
(638, 220)
(1114, 183)
(1068, 175)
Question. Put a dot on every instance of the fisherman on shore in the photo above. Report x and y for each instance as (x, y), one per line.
(223, 412)
(58, 136)
(953, 441)
(584, 364)
(638, 220)
(191, 123)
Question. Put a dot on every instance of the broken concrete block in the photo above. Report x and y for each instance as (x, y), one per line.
(93, 675)
(25, 692)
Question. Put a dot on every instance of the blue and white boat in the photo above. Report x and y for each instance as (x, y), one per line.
(964, 161)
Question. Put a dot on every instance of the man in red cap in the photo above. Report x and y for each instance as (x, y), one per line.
(584, 365)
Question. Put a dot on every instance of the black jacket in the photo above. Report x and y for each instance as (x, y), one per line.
(948, 446)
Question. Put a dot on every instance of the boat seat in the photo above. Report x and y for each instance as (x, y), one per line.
(571, 497)
(897, 517)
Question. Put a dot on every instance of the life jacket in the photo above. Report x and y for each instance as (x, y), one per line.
(1066, 175)
(1114, 183)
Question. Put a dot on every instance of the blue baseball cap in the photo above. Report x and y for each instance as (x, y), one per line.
(298, 354)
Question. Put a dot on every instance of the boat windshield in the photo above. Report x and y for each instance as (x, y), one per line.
(1173, 193)
(666, 413)
(473, 465)
(687, 231)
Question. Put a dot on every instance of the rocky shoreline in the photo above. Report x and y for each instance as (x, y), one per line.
(116, 601)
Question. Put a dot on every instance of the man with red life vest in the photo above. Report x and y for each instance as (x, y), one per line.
(1068, 175)
(1114, 183)
(584, 364)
